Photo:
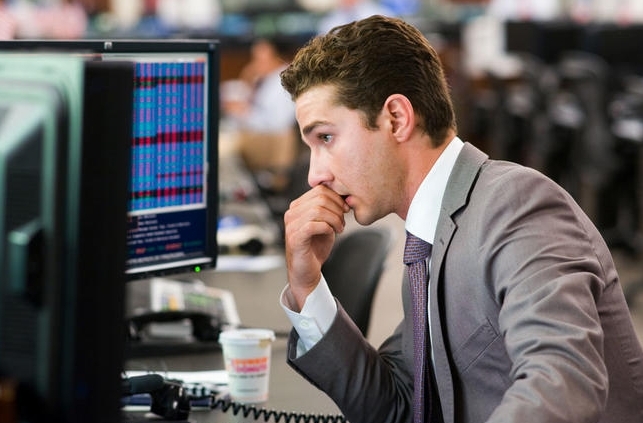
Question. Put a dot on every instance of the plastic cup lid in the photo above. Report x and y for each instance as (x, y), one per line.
(246, 336)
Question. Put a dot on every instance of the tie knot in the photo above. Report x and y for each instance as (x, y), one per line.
(416, 249)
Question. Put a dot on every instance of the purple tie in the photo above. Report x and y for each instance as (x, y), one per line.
(416, 252)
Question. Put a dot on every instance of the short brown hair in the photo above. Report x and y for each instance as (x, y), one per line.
(370, 59)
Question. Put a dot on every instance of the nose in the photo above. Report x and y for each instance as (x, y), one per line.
(318, 172)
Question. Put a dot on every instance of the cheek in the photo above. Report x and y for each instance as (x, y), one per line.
(366, 172)
(362, 163)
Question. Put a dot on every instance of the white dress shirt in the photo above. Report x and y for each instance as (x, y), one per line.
(319, 310)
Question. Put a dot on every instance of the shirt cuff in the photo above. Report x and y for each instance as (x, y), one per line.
(316, 315)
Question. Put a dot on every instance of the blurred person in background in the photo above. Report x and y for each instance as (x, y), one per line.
(261, 112)
(8, 24)
(403, 7)
(32, 19)
(351, 10)
(623, 12)
(189, 14)
(520, 10)
(259, 102)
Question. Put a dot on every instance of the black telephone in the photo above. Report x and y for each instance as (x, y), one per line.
(205, 327)
(171, 401)
(205, 330)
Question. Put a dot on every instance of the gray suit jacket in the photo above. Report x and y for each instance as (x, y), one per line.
(528, 319)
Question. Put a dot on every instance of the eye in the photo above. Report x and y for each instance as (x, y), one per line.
(325, 138)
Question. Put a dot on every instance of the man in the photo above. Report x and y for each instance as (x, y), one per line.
(267, 108)
(526, 316)
(263, 116)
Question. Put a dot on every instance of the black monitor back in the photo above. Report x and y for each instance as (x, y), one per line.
(62, 262)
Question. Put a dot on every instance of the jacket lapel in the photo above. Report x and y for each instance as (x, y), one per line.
(460, 183)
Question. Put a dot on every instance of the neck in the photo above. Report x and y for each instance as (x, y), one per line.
(421, 158)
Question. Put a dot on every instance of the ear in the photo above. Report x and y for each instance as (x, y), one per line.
(399, 111)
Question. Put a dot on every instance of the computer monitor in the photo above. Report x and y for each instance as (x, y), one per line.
(173, 205)
(548, 41)
(618, 45)
(64, 124)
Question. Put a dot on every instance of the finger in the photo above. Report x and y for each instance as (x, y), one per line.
(320, 204)
(327, 196)
(328, 216)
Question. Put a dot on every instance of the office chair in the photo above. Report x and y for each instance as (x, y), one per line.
(520, 109)
(618, 212)
(296, 184)
(579, 148)
(354, 268)
(623, 211)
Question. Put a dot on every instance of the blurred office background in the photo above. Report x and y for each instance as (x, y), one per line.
(554, 84)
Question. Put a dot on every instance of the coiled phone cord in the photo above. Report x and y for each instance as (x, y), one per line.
(261, 413)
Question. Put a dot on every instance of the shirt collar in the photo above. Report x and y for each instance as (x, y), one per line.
(422, 218)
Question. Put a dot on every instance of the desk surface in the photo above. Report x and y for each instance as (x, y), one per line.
(257, 299)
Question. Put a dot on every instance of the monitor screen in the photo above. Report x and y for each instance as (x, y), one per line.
(173, 179)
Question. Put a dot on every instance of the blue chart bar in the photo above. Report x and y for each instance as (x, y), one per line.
(169, 123)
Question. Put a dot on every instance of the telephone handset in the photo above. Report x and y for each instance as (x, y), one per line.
(171, 401)
(167, 309)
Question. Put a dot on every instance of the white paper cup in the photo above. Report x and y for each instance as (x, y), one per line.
(246, 354)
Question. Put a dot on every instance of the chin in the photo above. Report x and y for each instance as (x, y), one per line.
(364, 220)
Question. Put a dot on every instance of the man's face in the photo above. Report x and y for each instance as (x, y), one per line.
(359, 164)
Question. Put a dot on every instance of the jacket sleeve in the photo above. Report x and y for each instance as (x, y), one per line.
(547, 269)
(368, 385)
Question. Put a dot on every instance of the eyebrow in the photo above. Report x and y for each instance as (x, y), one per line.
(311, 127)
